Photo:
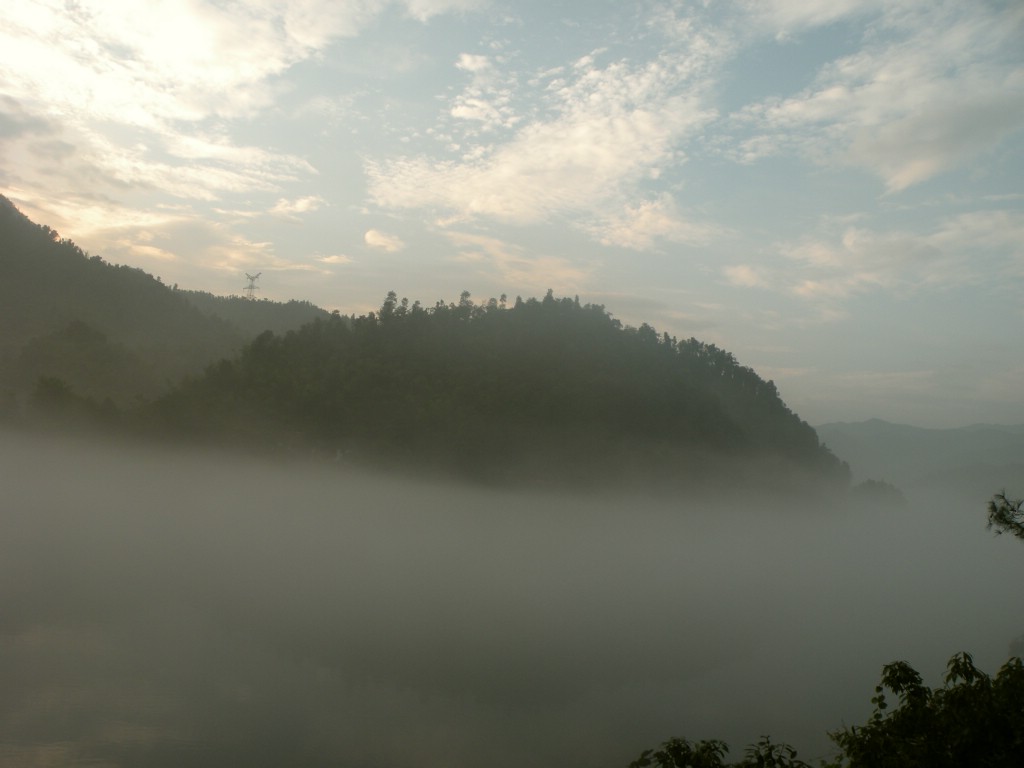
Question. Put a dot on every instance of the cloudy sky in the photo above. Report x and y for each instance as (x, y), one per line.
(833, 190)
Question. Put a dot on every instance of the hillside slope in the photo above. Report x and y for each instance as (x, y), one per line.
(106, 330)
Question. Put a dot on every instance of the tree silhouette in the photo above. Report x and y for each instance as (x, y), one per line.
(971, 721)
(1006, 515)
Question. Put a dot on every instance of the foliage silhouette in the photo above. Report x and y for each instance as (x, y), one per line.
(1006, 515)
(972, 721)
(680, 753)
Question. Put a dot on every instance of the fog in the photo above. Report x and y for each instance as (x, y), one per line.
(174, 608)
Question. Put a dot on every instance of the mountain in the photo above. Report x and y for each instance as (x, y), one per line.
(547, 390)
(983, 457)
(109, 331)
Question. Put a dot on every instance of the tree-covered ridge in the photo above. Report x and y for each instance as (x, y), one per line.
(49, 282)
(109, 331)
(542, 388)
(253, 317)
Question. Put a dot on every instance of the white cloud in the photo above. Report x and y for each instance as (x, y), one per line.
(383, 241)
(487, 99)
(933, 86)
(642, 225)
(606, 131)
(98, 70)
(289, 208)
(471, 62)
(335, 259)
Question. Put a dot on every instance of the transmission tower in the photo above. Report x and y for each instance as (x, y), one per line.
(251, 288)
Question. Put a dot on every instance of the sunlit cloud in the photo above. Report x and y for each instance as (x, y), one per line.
(383, 241)
(98, 69)
(290, 208)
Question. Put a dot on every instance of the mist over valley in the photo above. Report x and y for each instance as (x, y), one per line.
(168, 607)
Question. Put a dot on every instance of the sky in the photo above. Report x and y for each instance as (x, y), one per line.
(833, 191)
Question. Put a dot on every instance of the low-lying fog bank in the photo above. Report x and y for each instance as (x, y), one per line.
(166, 609)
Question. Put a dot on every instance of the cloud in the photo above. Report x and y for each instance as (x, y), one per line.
(971, 248)
(134, 87)
(744, 275)
(335, 259)
(485, 104)
(288, 208)
(16, 121)
(642, 225)
(383, 241)
(604, 132)
(471, 62)
(934, 86)
(842, 261)
(83, 216)
(146, 73)
(513, 267)
(424, 10)
(785, 17)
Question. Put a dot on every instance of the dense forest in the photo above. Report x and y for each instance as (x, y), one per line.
(545, 389)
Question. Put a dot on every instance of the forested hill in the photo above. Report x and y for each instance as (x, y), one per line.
(106, 330)
(543, 389)
(253, 317)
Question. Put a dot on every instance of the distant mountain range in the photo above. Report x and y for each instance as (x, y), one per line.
(983, 458)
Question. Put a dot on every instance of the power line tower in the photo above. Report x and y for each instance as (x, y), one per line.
(251, 288)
